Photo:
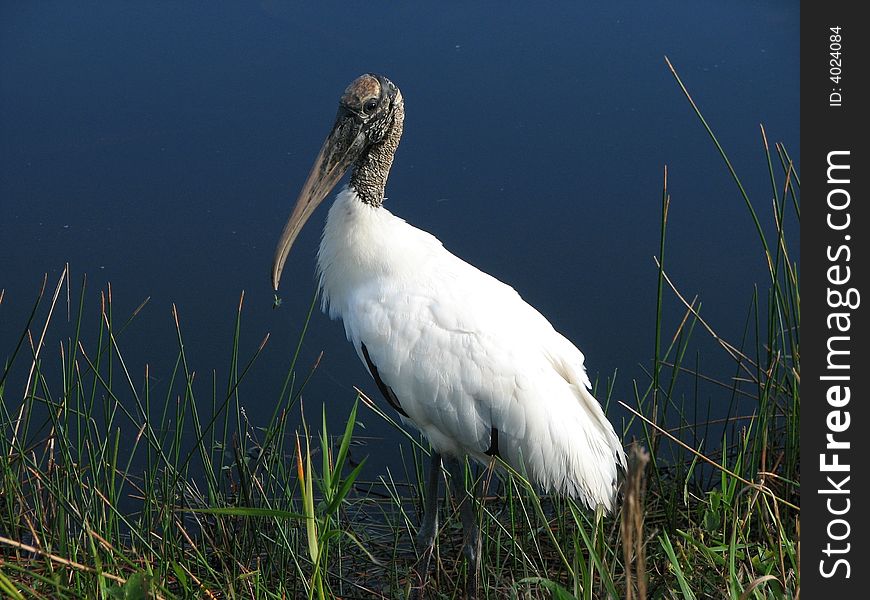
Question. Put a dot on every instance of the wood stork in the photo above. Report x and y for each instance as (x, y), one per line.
(455, 351)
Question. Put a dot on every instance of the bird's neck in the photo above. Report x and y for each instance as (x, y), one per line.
(369, 178)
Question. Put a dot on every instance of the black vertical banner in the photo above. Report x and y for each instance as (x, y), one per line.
(835, 440)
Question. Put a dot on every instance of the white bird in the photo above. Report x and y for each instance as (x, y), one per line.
(455, 351)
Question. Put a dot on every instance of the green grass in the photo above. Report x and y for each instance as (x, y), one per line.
(103, 497)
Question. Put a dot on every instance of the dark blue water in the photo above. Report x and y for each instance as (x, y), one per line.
(160, 146)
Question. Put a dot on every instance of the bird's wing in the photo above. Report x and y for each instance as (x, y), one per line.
(480, 371)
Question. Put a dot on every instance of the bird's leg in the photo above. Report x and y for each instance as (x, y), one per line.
(471, 545)
(429, 525)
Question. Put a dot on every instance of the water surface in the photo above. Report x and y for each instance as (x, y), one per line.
(159, 147)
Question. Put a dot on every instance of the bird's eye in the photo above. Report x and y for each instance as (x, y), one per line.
(370, 105)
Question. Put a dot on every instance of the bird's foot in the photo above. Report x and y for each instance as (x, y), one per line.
(428, 527)
(471, 549)
(423, 568)
(425, 550)
(471, 544)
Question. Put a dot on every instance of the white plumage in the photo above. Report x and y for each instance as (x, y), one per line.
(458, 353)
(463, 353)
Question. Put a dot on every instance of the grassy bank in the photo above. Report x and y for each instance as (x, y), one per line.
(102, 495)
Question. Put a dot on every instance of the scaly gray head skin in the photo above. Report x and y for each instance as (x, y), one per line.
(365, 134)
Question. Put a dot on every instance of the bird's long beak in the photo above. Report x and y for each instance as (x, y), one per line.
(342, 147)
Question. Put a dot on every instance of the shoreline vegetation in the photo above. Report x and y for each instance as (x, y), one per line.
(103, 497)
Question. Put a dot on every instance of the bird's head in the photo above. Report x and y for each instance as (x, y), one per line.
(366, 133)
(369, 104)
